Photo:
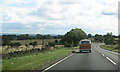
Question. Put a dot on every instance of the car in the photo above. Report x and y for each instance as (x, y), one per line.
(85, 45)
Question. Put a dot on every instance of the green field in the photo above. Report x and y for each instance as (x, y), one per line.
(6, 49)
(116, 38)
(111, 47)
(35, 60)
(39, 41)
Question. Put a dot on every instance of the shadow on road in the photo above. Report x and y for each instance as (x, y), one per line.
(79, 52)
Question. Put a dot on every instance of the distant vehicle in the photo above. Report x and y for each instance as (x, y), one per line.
(85, 45)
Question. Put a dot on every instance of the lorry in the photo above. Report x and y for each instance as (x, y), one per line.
(85, 45)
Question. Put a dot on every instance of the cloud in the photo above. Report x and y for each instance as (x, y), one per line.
(41, 12)
(110, 13)
(58, 17)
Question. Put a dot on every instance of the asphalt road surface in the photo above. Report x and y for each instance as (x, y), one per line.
(98, 60)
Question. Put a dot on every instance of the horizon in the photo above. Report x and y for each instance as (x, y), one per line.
(45, 34)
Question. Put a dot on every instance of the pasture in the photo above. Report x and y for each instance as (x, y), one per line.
(39, 41)
(6, 49)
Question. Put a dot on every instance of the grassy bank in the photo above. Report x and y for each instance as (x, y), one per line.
(33, 61)
(111, 47)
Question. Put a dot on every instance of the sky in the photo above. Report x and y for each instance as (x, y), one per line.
(58, 16)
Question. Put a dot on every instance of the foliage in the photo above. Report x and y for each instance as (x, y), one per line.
(33, 43)
(73, 37)
(108, 39)
(98, 38)
(89, 35)
(51, 44)
(56, 41)
(118, 42)
(30, 43)
(26, 45)
(5, 41)
(28, 37)
(8, 37)
(15, 44)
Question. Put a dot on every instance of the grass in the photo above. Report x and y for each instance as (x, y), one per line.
(0, 49)
(116, 38)
(36, 60)
(110, 47)
(0, 64)
(76, 47)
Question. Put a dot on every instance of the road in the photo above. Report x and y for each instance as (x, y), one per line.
(98, 60)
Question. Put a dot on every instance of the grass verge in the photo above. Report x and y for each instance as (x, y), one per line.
(111, 47)
(35, 60)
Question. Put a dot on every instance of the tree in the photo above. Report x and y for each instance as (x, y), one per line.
(34, 43)
(26, 45)
(12, 44)
(108, 39)
(89, 35)
(39, 36)
(23, 37)
(73, 37)
(17, 44)
(51, 44)
(30, 43)
(5, 41)
(118, 42)
(98, 38)
(56, 41)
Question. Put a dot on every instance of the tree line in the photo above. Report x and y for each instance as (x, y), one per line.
(107, 38)
(70, 39)
(27, 37)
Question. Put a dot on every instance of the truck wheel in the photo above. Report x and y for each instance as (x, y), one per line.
(80, 51)
(73, 52)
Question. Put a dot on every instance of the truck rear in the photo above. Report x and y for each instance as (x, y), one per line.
(85, 45)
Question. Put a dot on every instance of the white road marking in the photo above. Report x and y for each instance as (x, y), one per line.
(57, 63)
(111, 60)
(103, 55)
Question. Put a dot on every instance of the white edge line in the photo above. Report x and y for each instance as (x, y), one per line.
(111, 60)
(56, 63)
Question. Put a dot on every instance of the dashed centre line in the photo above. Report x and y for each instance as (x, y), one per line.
(111, 60)
(103, 55)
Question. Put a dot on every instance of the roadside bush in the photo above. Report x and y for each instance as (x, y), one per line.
(26, 45)
(33, 43)
(51, 44)
(30, 43)
(68, 45)
(51, 49)
(15, 44)
(56, 41)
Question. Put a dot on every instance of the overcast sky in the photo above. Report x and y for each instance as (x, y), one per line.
(58, 16)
